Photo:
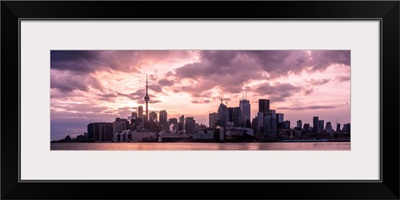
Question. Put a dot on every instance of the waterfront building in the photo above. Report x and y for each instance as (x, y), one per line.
(315, 124)
(190, 125)
(337, 127)
(280, 117)
(212, 119)
(153, 116)
(181, 125)
(223, 114)
(263, 106)
(328, 128)
(236, 116)
(163, 117)
(260, 122)
(140, 113)
(321, 125)
(245, 108)
(299, 124)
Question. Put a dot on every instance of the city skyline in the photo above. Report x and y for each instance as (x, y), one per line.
(94, 86)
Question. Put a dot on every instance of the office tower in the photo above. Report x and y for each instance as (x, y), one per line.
(299, 124)
(140, 112)
(119, 125)
(230, 114)
(321, 125)
(315, 124)
(181, 125)
(173, 124)
(244, 106)
(286, 124)
(260, 121)
(163, 117)
(263, 106)
(267, 124)
(190, 125)
(328, 127)
(237, 116)
(280, 117)
(153, 116)
(212, 119)
(223, 114)
(306, 126)
(337, 127)
(134, 116)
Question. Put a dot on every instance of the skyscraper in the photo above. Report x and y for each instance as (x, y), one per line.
(223, 114)
(321, 125)
(147, 98)
(236, 116)
(190, 125)
(315, 124)
(181, 125)
(299, 124)
(263, 106)
(244, 106)
(163, 117)
(260, 121)
(328, 127)
(280, 117)
(153, 116)
(140, 112)
(212, 119)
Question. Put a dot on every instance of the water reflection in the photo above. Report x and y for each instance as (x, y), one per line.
(203, 146)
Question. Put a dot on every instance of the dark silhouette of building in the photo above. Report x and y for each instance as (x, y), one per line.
(146, 99)
(190, 125)
(263, 106)
(212, 119)
(315, 124)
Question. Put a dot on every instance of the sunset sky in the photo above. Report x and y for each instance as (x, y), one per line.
(98, 86)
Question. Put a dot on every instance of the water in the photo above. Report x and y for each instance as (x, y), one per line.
(204, 146)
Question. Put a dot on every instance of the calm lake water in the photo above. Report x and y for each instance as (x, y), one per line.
(204, 146)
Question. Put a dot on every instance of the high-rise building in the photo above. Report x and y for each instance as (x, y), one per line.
(223, 114)
(212, 119)
(173, 124)
(230, 114)
(119, 125)
(306, 126)
(263, 106)
(280, 117)
(337, 127)
(153, 116)
(140, 112)
(190, 125)
(267, 124)
(260, 121)
(245, 107)
(237, 116)
(346, 128)
(316, 124)
(321, 125)
(163, 117)
(134, 116)
(286, 124)
(181, 125)
(328, 128)
(299, 124)
(146, 99)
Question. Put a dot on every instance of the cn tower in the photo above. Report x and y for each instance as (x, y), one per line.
(147, 98)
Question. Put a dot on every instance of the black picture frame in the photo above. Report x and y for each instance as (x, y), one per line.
(386, 11)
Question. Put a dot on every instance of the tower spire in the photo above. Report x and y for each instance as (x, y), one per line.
(146, 99)
(147, 86)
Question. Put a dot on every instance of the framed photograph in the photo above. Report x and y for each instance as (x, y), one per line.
(126, 96)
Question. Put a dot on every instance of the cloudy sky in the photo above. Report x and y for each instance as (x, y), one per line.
(98, 86)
